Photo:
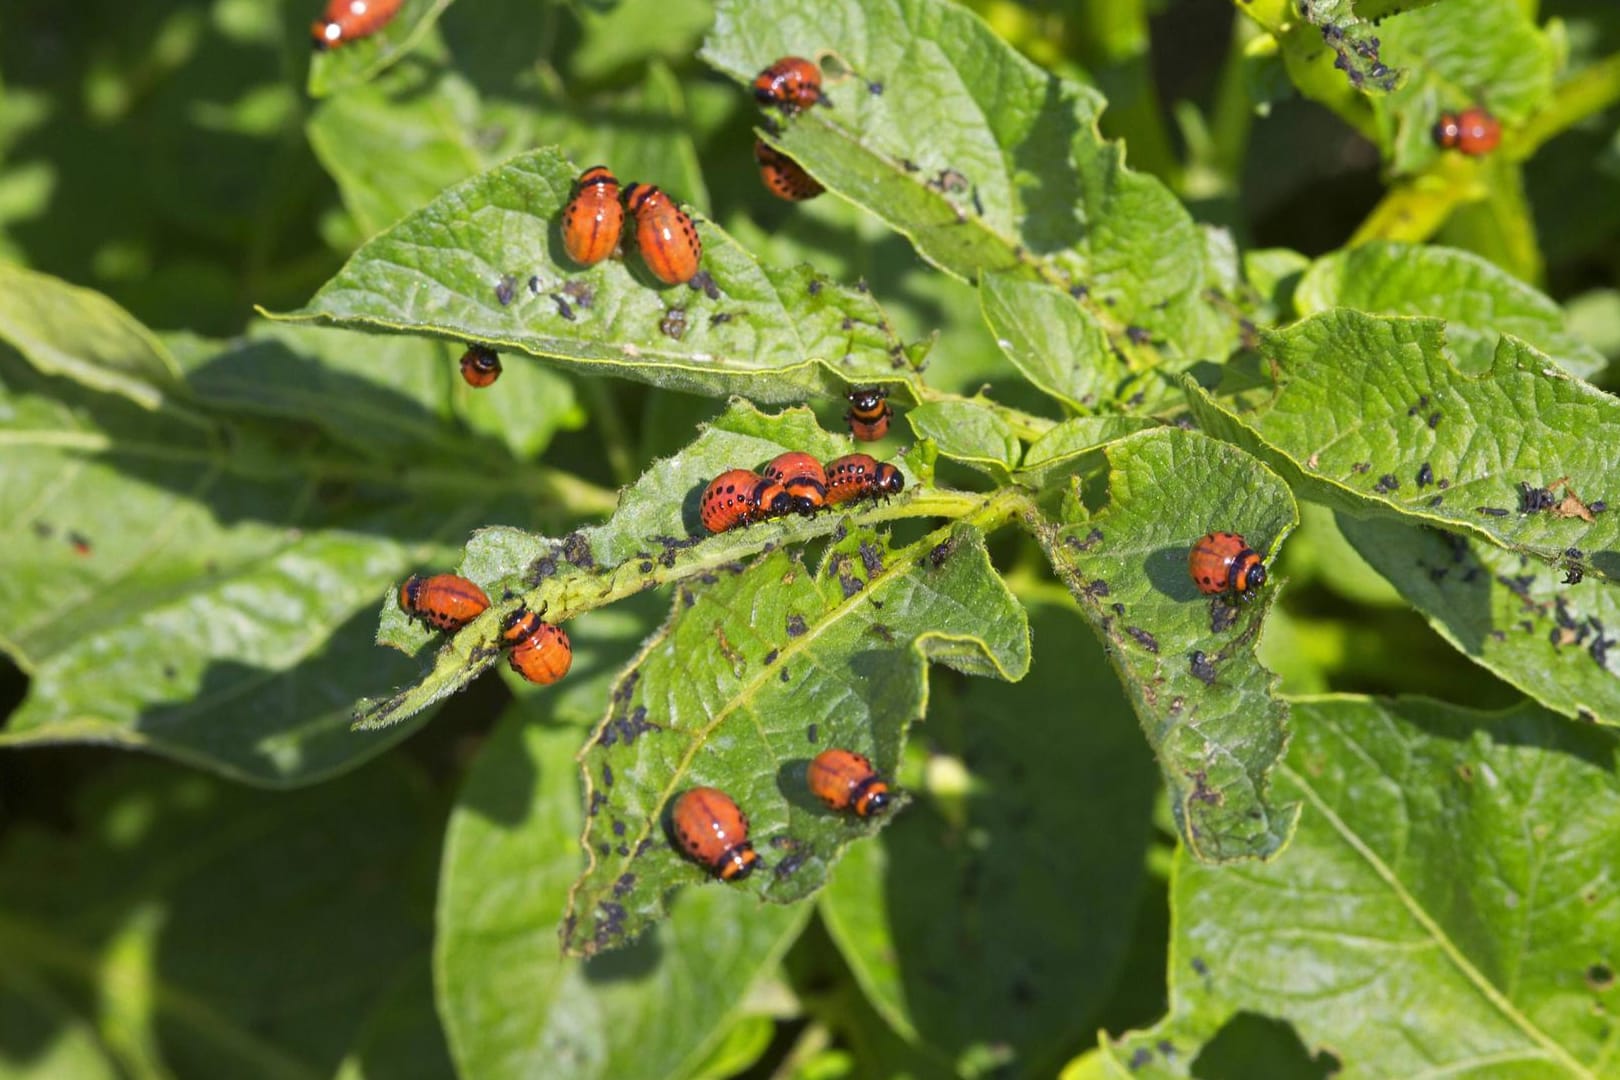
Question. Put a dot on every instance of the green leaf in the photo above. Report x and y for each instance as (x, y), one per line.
(778, 335)
(957, 944)
(176, 888)
(1460, 53)
(349, 65)
(969, 432)
(83, 336)
(1187, 661)
(1450, 858)
(1517, 618)
(1479, 301)
(983, 160)
(1055, 341)
(1072, 446)
(751, 677)
(655, 537)
(514, 1007)
(614, 37)
(1371, 415)
(206, 590)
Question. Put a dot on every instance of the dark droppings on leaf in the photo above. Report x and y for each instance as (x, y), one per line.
(607, 775)
(1573, 575)
(580, 292)
(1118, 609)
(941, 552)
(1143, 638)
(1425, 475)
(564, 308)
(1142, 1058)
(701, 281)
(1386, 484)
(847, 324)
(626, 882)
(611, 923)
(623, 851)
(815, 286)
(720, 318)
(1533, 500)
(849, 583)
(790, 865)
(784, 675)
(1199, 967)
(770, 657)
(1096, 589)
(543, 567)
(811, 732)
(1093, 538)
(1361, 467)
(795, 625)
(604, 849)
(673, 324)
(1202, 669)
(1221, 616)
(1434, 421)
(598, 800)
(627, 729)
(1491, 511)
(871, 558)
(506, 289)
(881, 631)
(618, 827)
(1138, 335)
(1437, 500)
(646, 567)
(577, 550)
(641, 848)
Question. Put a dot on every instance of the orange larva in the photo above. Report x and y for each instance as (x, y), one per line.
(594, 218)
(802, 477)
(854, 476)
(480, 366)
(741, 497)
(869, 413)
(665, 236)
(784, 177)
(541, 651)
(1222, 562)
(791, 83)
(713, 830)
(1474, 131)
(447, 601)
(845, 780)
(350, 20)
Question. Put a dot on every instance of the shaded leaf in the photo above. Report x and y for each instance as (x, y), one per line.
(476, 265)
(1516, 617)
(513, 1006)
(1479, 301)
(1456, 859)
(958, 945)
(1187, 661)
(1071, 445)
(176, 887)
(755, 674)
(1370, 414)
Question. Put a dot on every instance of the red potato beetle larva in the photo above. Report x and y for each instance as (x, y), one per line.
(541, 651)
(869, 413)
(845, 780)
(1223, 562)
(741, 497)
(784, 177)
(665, 235)
(594, 217)
(480, 366)
(856, 476)
(790, 84)
(1474, 131)
(350, 20)
(802, 477)
(447, 601)
(713, 831)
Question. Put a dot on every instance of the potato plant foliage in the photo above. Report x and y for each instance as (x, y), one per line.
(1123, 283)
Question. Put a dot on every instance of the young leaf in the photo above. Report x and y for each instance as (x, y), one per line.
(955, 941)
(752, 677)
(512, 1005)
(1449, 857)
(983, 160)
(1523, 621)
(483, 263)
(1057, 343)
(1369, 414)
(1187, 661)
(1479, 301)
(969, 432)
